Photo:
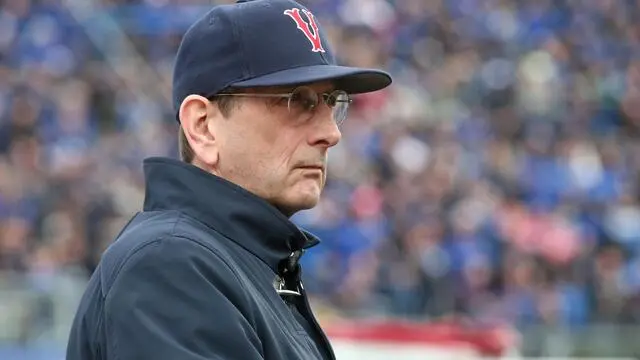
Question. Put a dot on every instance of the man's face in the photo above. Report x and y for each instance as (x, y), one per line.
(275, 151)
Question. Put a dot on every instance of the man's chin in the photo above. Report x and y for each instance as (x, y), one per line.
(301, 200)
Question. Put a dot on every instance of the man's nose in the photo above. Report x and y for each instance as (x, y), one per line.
(325, 130)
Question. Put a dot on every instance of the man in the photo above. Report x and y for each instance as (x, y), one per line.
(209, 269)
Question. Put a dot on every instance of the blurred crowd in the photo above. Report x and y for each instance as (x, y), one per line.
(496, 179)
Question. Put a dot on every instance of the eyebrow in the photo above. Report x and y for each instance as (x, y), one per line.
(283, 90)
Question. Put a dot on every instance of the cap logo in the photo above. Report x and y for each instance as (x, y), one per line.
(310, 30)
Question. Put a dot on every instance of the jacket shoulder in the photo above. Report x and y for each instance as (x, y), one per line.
(146, 229)
(174, 298)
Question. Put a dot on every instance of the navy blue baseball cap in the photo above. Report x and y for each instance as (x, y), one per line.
(254, 43)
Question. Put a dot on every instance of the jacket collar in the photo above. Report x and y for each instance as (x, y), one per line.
(234, 212)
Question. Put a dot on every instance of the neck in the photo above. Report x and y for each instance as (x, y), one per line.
(286, 211)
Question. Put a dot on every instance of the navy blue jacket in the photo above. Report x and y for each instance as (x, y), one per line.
(194, 275)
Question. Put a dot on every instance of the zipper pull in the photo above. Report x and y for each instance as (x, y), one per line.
(281, 288)
(288, 282)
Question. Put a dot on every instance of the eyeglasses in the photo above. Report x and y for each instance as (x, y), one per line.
(303, 101)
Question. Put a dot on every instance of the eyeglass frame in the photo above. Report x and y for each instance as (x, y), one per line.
(289, 96)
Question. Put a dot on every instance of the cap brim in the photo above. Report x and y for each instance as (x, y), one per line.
(350, 79)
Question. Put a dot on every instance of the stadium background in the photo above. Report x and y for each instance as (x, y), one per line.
(492, 190)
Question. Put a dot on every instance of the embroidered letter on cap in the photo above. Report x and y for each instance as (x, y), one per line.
(310, 30)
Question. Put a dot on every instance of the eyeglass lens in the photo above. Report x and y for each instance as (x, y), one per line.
(306, 100)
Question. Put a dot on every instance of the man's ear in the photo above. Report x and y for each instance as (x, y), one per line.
(195, 113)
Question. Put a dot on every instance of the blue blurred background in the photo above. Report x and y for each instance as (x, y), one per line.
(495, 181)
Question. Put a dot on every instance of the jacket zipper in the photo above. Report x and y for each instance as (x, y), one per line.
(291, 264)
(314, 322)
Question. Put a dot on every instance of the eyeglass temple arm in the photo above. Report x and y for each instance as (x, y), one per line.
(258, 95)
(286, 96)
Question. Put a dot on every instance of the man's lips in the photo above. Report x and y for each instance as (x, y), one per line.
(312, 167)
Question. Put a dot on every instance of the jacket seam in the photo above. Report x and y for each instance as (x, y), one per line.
(114, 344)
(133, 252)
(155, 242)
(116, 275)
(211, 250)
(224, 235)
(181, 216)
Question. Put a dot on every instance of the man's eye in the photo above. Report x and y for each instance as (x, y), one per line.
(307, 104)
